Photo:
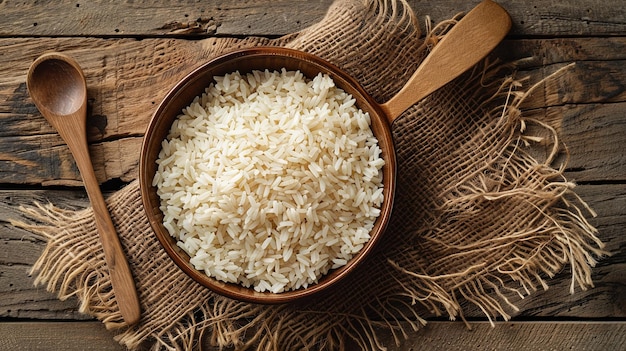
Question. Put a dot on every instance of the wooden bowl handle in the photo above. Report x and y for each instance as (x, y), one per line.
(468, 42)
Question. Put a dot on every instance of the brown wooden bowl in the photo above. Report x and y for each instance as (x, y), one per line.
(193, 85)
(469, 41)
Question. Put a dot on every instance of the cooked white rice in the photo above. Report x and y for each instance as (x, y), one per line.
(270, 179)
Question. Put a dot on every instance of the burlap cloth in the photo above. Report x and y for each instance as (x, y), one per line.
(478, 219)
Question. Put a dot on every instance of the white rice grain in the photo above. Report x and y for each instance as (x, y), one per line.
(270, 180)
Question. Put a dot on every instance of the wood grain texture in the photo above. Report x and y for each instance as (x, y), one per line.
(158, 18)
(272, 18)
(436, 336)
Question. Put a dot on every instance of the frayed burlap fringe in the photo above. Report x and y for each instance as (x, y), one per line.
(479, 217)
(501, 216)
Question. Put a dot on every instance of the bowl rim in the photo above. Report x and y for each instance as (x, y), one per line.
(237, 291)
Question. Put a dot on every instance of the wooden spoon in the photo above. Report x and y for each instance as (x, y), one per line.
(57, 86)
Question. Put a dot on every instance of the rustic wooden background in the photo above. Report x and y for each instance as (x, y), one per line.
(133, 51)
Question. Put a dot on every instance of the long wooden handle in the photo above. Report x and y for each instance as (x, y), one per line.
(469, 41)
(119, 271)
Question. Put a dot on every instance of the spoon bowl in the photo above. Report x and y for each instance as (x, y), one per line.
(59, 86)
(56, 84)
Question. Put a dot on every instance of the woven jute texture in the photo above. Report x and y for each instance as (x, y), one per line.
(479, 219)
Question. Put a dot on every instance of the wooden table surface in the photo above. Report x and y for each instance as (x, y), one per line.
(123, 44)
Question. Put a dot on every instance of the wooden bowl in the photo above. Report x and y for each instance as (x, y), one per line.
(469, 41)
(194, 85)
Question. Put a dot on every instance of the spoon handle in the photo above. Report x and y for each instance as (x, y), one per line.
(119, 271)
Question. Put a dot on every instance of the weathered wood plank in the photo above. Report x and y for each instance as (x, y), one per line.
(595, 135)
(20, 249)
(531, 336)
(47, 158)
(127, 79)
(552, 51)
(87, 336)
(544, 17)
(271, 18)
(593, 69)
(444, 336)
(128, 18)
